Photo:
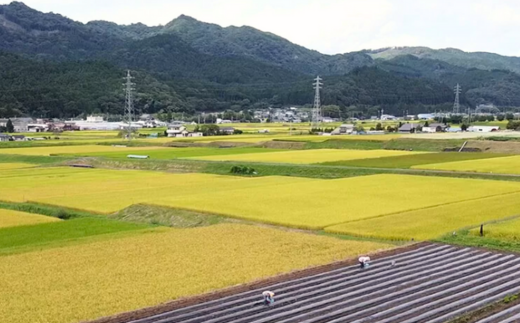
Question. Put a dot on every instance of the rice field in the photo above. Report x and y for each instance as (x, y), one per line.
(112, 276)
(434, 222)
(173, 153)
(504, 165)
(323, 203)
(309, 156)
(9, 166)
(57, 233)
(10, 218)
(291, 201)
(48, 151)
(414, 161)
(506, 230)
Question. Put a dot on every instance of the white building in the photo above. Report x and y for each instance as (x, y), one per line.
(483, 128)
(386, 117)
(95, 119)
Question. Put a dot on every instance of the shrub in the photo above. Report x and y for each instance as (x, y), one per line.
(243, 170)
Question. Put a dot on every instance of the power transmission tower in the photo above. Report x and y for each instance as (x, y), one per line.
(129, 104)
(316, 110)
(456, 106)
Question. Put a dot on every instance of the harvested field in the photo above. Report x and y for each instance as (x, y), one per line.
(10, 218)
(433, 283)
(503, 165)
(309, 156)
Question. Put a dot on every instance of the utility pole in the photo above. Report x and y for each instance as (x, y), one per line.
(316, 110)
(456, 106)
(129, 106)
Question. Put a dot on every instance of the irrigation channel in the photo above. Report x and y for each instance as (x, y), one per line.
(434, 283)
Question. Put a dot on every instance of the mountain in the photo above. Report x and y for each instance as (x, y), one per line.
(262, 46)
(480, 60)
(55, 67)
(500, 87)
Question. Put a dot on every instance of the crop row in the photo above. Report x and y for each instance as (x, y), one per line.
(434, 284)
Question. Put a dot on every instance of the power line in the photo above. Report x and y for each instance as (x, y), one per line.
(456, 106)
(129, 104)
(316, 110)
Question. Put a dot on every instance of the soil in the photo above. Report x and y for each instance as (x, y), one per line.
(181, 303)
(508, 147)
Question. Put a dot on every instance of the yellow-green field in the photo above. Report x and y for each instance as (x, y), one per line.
(430, 223)
(9, 166)
(503, 165)
(47, 151)
(298, 202)
(322, 203)
(309, 156)
(10, 218)
(88, 281)
(509, 230)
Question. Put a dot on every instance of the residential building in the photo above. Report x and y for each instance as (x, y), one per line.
(409, 128)
(435, 127)
(345, 129)
(227, 130)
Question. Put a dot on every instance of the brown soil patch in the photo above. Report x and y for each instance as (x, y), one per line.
(507, 147)
(284, 145)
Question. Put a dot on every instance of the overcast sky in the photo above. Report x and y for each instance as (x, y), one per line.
(329, 26)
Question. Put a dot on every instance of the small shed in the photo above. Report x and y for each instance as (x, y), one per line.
(227, 130)
(4, 137)
(344, 129)
(483, 128)
(409, 128)
(435, 127)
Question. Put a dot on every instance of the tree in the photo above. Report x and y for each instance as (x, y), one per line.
(490, 118)
(464, 127)
(426, 124)
(9, 126)
(501, 117)
(510, 117)
(379, 127)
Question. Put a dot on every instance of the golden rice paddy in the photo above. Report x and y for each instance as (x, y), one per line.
(88, 281)
(308, 156)
(10, 218)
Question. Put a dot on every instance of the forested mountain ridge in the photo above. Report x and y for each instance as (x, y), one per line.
(480, 60)
(55, 67)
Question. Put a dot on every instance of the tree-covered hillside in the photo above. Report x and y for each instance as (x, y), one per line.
(52, 66)
(480, 60)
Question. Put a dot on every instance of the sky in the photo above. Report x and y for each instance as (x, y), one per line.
(329, 26)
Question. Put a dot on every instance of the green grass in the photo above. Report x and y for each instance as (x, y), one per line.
(465, 238)
(175, 153)
(37, 160)
(156, 215)
(346, 144)
(28, 238)
(414, 160)
(309, 171)
(432, 145)
(57, 212)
